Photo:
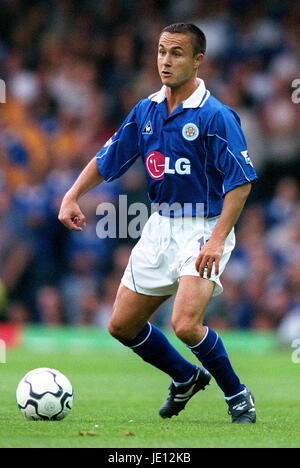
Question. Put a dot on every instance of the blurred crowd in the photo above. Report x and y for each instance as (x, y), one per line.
(73, 71)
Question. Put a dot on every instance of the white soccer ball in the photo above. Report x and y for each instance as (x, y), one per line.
(46, 394)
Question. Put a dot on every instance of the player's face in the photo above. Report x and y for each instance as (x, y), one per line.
(176, 61)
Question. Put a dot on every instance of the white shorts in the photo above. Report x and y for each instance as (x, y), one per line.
(168, 249)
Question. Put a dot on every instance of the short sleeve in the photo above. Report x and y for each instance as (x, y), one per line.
(120, 151)
(227, 146)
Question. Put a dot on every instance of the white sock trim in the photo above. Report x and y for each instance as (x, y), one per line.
(195, 346)
(139, 344)
(233, 396)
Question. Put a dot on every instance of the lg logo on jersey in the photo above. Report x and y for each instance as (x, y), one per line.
(158, 165)
(182, 166)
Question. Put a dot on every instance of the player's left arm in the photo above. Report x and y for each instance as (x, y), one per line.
(228, 150)
(212, 250)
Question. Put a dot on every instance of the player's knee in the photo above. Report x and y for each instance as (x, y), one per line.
(187, 331)
(182, 330)
(116, 330)
(120, 331)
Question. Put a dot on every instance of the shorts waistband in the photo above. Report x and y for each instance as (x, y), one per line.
(181, 219)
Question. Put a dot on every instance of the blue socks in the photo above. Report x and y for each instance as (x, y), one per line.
(153, 347)
(212, 354)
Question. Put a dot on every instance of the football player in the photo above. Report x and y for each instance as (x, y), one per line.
(196, 160)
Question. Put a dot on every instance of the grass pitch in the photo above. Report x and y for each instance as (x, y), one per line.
(117, 397)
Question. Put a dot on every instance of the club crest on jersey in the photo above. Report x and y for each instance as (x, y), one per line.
(147, 129)
(190, 131)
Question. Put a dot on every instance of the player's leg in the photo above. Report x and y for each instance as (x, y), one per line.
(192, 298)
(187, 322)
(131, 312)
(129, 324)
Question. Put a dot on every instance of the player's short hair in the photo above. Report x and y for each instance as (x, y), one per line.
(197, 36)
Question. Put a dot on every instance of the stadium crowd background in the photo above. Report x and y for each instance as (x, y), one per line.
(73, 70)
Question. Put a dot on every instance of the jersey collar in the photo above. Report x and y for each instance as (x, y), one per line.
(197, 99)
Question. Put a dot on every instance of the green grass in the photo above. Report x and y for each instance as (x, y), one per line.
(117, 394)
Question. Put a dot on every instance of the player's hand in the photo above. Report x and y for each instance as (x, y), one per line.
(71, 215)
(210, 253)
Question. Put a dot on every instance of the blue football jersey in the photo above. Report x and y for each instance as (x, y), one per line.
(193, 156)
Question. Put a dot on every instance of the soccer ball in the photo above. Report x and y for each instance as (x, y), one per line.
(46, 394)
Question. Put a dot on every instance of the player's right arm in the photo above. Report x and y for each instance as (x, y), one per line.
(113, 159)
(70, 213)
